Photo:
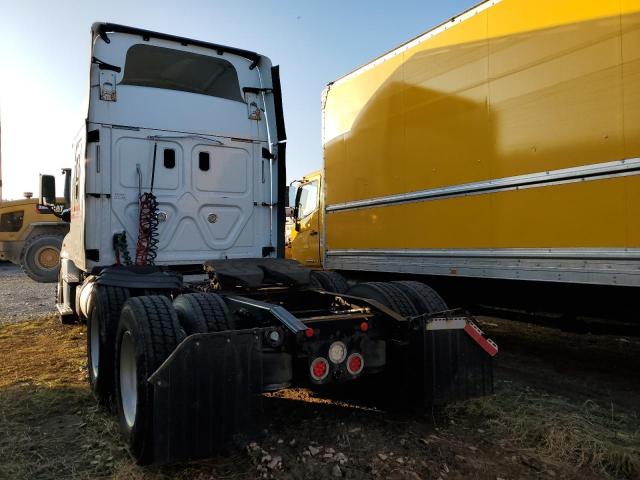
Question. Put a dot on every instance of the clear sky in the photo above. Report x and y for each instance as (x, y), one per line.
(44, 61)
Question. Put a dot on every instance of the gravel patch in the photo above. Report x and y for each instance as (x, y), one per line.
(21, 298)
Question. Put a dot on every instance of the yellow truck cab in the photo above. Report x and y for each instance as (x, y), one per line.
(303, 238)
(31, 237)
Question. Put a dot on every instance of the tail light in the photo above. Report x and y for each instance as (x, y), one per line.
(355, 363)
(337, 352)
(319, 369)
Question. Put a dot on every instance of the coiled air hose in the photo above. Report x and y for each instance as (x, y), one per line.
(147, 245)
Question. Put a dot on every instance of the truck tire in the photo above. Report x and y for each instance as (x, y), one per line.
(40, 257)
(148, 332)
(202, 313)
(424, 298)
(329, 281)
(388, 294)
(102, 323)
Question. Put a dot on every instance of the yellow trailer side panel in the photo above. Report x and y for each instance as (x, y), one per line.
(519, 87)
(572, 215)
(504, 143)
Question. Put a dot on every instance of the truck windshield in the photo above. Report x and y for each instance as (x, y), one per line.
(158, 67)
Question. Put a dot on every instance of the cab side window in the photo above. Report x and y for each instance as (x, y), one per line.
(11, 222)
(308, 199)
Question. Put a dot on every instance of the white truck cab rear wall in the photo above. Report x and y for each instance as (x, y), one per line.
(186, 101)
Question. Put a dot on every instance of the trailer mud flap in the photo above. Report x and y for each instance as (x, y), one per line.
(456, 360)
(206, 395)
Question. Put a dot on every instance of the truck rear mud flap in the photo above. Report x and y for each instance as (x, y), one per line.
(449, 359)
(206, 395)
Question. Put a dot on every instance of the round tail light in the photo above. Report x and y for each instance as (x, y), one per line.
(355, 364)
(337, 352)
(319, 369)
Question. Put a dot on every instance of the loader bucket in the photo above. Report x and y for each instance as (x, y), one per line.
(206, 395)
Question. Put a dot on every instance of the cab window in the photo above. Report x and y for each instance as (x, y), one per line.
(158, 67)
(11, 222)
(308, 199)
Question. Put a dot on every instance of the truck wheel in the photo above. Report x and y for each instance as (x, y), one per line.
(40, 258)
(202, 313)
(148, 332)
(424, 298)
(102, 323)
(387, 294)
(329, 281)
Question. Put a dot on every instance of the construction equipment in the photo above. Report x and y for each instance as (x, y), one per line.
(31, 237)
(502, 144)
(175, 259)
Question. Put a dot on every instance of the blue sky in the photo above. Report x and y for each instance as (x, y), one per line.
(44, 54)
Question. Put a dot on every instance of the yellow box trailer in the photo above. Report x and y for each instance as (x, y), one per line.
(504, 143)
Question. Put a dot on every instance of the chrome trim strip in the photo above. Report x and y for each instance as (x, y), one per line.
(596, 171)
(574, 253)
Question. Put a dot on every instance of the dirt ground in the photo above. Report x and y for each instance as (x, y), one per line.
(566, 406)
(21, 297)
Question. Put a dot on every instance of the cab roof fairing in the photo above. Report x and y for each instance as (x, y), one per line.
(102, 30)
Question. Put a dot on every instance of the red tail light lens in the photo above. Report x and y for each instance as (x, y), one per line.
(319, 369)
(364, 326)
(309, 332)
(355, 363)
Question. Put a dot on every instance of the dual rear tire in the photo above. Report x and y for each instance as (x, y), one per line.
(148, 331)
(329, 281)
(407, 298)
(127, 341)
(395, 387)
(102, 324)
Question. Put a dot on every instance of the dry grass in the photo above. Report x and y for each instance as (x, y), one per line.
(50, 427)
(587, 435)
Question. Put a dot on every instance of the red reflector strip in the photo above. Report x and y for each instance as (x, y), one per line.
(487, 344)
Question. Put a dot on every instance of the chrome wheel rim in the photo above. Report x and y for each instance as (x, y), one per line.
(94, 354)
(128, 384)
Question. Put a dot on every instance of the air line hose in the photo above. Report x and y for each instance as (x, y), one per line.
(147, 245)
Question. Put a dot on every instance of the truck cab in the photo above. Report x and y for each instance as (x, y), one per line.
(305, 239)
(195, 124)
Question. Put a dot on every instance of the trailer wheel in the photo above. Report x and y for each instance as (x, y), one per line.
(40, 258)
(388, 294)
(148, 332)
(329, 281)
(424, 298)
(101, 331)
(202, 313)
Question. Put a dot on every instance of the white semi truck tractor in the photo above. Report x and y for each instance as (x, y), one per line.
(175, 259)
